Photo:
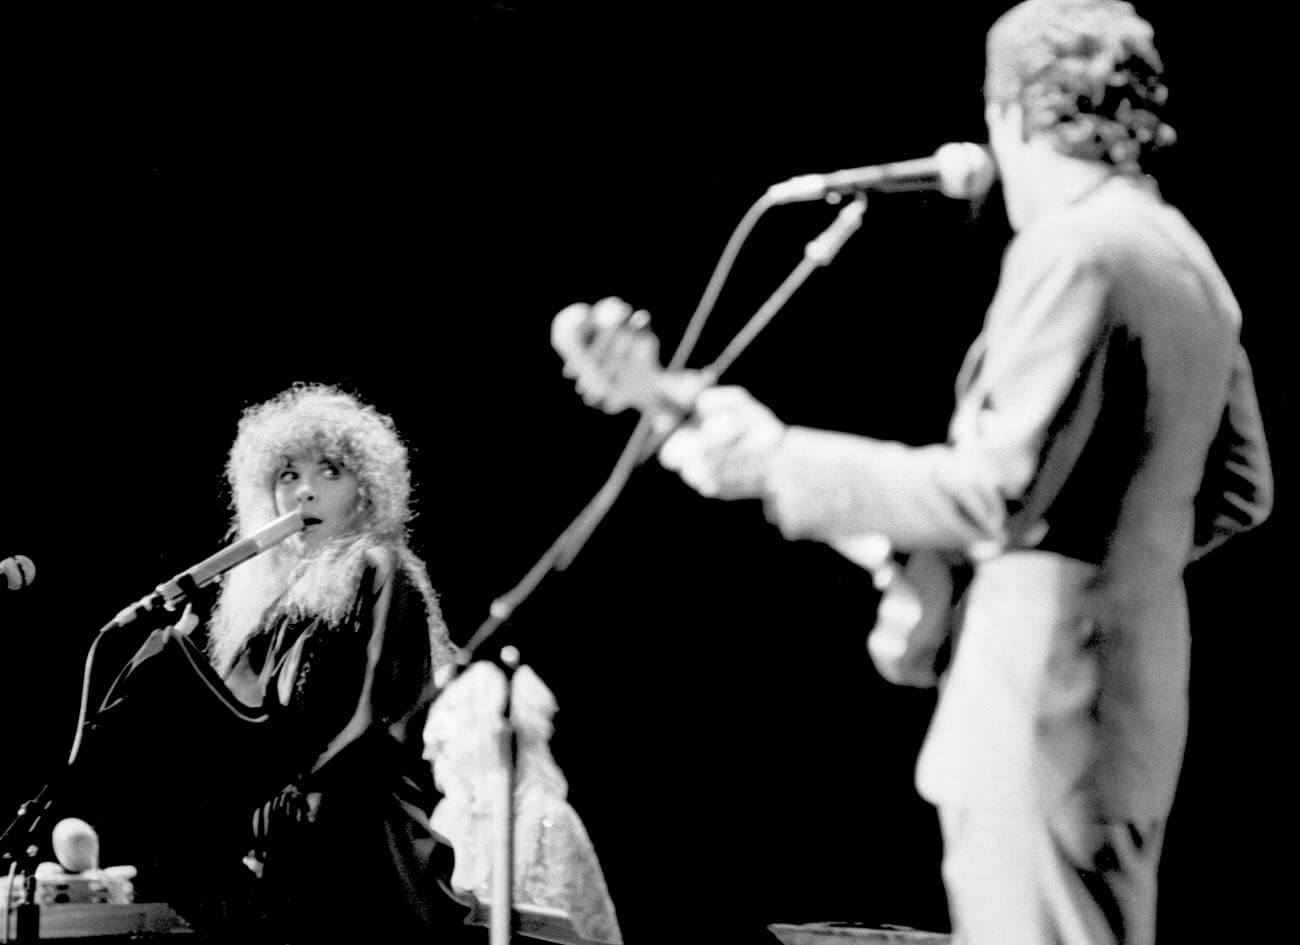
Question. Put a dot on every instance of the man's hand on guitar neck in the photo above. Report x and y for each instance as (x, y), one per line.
(724, 447)
(724, 452)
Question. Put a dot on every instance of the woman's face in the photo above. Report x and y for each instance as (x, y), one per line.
(327, 493)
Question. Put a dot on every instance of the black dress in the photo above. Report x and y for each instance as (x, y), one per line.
(324, 782)
(345, 848)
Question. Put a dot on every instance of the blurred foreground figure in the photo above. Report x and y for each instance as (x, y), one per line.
(555, 866)
(1106, 433)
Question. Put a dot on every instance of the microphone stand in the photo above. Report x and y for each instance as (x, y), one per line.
(27, 821)
(643, 443)
(27, 914)
(501, 915)
(165, 598)
(647, 438)
(184, 588)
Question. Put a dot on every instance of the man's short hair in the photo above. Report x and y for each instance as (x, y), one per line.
(1086, 73)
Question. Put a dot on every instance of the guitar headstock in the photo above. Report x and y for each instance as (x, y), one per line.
(610, 352)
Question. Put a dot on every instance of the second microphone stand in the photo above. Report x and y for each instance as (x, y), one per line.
(643, 443)
(646, 438)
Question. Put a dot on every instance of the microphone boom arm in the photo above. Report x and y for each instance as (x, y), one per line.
(645, 440)
(184, 585)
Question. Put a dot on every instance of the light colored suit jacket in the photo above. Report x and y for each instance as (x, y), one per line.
(1106, 432)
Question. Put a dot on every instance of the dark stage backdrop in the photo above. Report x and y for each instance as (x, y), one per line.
(400, 207)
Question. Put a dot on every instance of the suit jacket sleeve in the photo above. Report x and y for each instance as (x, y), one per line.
(1044, 320)
(1237, 492)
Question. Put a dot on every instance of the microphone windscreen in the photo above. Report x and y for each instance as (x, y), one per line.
(18, 571)
(966, 170)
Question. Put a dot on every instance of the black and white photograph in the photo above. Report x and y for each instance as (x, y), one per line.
(628, 474)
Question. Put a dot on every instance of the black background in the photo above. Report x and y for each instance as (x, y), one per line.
(203, 212)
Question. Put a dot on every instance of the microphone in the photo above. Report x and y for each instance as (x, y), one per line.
(18, 571)
(208, 570)
(959, 169)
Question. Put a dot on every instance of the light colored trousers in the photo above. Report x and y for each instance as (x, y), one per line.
(1021, 879)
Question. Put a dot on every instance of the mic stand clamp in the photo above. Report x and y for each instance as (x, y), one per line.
(158, 600)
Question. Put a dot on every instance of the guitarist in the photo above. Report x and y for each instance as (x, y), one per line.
(1106, 433)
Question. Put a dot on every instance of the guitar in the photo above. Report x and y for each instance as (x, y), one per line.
(613, 357)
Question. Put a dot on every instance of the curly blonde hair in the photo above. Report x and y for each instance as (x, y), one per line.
(1086, 73)
(320, 420)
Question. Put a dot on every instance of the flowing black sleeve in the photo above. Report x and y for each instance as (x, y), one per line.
(391, 641)
(363, 806)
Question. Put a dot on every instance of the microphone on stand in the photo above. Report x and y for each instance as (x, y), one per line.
(180, 587)
(19, 572)
(959, 169)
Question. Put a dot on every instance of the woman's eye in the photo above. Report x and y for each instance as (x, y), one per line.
(331, 472)
(287, 475)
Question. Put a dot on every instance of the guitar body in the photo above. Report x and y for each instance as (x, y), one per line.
(914, 620)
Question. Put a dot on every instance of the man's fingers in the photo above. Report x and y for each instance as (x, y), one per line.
(680, 447)
(564, 329)
(720, 430)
